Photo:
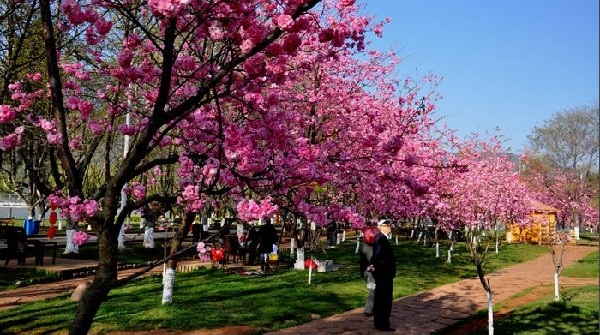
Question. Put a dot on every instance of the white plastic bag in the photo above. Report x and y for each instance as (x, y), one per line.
(370, 281)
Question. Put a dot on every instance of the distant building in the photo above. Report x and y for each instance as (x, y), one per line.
(539, 228)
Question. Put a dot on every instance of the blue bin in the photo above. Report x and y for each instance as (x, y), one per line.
(31, 227)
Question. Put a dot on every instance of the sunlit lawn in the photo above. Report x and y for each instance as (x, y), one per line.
(576, 313)
(212, 298)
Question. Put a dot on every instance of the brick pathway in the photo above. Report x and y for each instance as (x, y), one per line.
(422, 313)
(433, 310)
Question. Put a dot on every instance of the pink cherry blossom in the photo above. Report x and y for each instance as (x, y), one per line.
(7, 113)
(80, 237)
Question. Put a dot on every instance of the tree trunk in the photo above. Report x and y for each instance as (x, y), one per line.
(168, 285)
(121, 239)
(292, 247)
(176, 242)
(486, 286)
(490, 313)
(149, 237)
(556, 288)
(105, 278)
(70, 247)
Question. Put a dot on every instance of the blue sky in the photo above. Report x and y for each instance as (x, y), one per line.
(509, 64)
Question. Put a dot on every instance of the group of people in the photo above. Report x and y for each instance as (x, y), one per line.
(378, 266)
(259, 243)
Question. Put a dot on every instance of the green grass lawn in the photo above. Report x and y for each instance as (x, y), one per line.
(210, 298)
(584, 268)
(577, 313)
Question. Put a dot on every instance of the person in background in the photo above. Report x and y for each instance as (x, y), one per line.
(252, 244)
(267, 237)
(366, 253)
(332, 229)
(383, 267)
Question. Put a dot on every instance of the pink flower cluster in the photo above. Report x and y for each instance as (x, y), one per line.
(74, 208)
(167, 8)
(137, 190)
(190, 198)
(7, 113)
(80, 237)
(317, 214)
(11, 141)
(203, 250)
(249, 210)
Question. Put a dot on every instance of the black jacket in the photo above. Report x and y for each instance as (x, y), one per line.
(267, 236)
(383, 258)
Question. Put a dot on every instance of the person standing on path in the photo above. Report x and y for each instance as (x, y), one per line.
(366, 252)
(383, 267)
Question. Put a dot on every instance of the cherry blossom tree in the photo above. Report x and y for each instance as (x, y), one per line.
(141, 69)
(562, 165)
(481, 196)
(575, 198)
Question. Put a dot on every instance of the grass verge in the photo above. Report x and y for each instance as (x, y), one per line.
(210, 298)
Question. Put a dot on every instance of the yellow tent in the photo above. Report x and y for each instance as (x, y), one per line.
(540, 226)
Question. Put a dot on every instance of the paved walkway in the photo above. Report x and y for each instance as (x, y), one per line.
(433, 310)
(422, 313)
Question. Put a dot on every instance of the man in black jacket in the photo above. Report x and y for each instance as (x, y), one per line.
(383, 267)
(267, 236)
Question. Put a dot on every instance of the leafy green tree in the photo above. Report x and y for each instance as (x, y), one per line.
(568, 141)
(563, 165)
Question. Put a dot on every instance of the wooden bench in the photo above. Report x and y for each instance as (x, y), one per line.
(19, 247)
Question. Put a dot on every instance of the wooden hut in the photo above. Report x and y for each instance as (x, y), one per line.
(540, 226)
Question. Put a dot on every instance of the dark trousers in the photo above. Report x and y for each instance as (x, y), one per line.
(252, 253)
(330, 238)
(384, 290)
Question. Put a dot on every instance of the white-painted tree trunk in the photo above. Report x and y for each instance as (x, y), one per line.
(292, 247)
(168, 284)
(149, 237)
(490, 314)
(576, 230)
(121, 238)
(358, 238)
(449, 259)
(300, 256)
(497, 243)
(412, 233)
(344, 235)
(60, 223)
(556, 288)
(338, 239)
(70, 247)
(437, 249)
(419, 236)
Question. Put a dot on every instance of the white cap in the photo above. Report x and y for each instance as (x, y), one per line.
(386, 221)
